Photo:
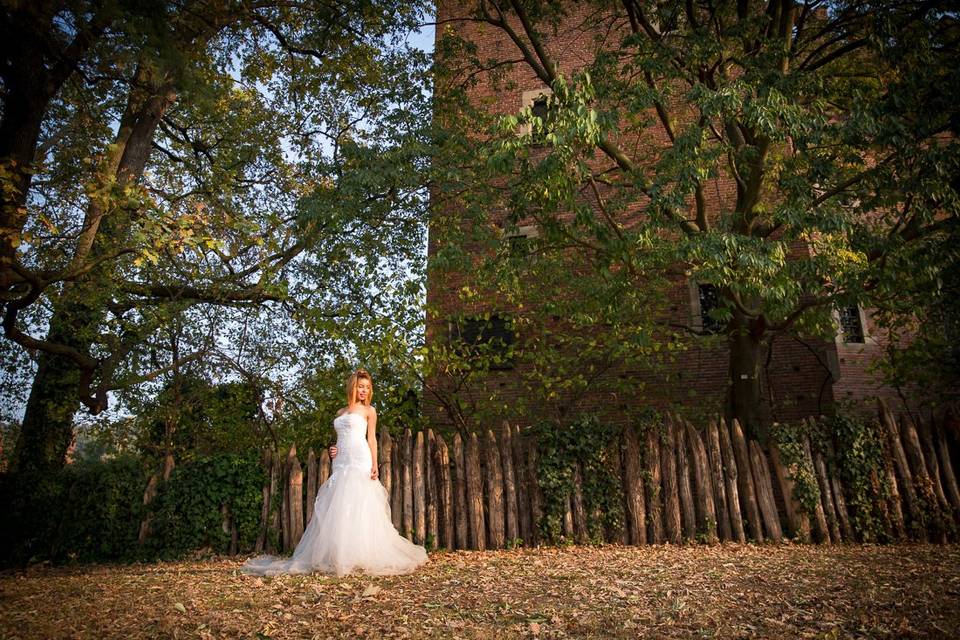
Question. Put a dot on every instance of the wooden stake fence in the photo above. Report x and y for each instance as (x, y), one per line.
(678, 483)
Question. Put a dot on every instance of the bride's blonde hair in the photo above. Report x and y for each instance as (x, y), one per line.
(355, 377)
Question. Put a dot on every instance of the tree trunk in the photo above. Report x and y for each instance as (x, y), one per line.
(580, 534)
(826, 496)
(902, 467)
(683, 482)
(745, 400)
(60, 384)
(311, 483)
(294, 498)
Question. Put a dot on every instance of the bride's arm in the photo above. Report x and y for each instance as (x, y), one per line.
(372, 441)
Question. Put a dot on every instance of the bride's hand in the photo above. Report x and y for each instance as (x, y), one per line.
(333, 452)
(374, 474)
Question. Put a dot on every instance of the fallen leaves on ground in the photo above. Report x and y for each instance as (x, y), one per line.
(781, 591)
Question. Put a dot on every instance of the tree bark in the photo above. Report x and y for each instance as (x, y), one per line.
(902, 467)
(745, 401)
(580, 534)
(311, 483)
(524, 520)
(294, 498)
(536, 510)
(826, 497)
(430, 483)
(797, 520)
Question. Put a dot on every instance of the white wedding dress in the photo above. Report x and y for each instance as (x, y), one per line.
(351, 528)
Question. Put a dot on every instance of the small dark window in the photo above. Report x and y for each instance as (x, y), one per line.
(709, 301)
(491, 338)
(850, 326)
(519, 246)
(541, 110)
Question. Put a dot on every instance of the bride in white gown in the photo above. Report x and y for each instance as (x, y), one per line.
(351, 528)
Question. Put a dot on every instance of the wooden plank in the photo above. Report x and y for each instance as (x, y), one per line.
(901, 467)
(396, 488)
(524, 520)
(671, 496)
(384, 460)
(511, 511)
(924, 431)
(407, 466)
(494, 487)
(745, 481)
(826, 496)
(580, 534)
(731, 482)
(323, 474)
(683, 482)
(798, 522)
(652, 467)
(921, 479)
(634, 506)
(295, 497)
(445, 494)
(533, 489)
(724, 529)
(311, 483)
(430, 482)
(821, 528)
(706, 508)
(478, 527)
(267, 462)
(839, 499)
(765, 498)
(419, 490)
(461, 515)
(946, 470)
(275, 529)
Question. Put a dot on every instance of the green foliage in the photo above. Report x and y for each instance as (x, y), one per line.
(788, 438)
(189, 506)
(592, 444)
(859, 457)
(100, 510)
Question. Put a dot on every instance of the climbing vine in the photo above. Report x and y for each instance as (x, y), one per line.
(789, 441)
(591, 443)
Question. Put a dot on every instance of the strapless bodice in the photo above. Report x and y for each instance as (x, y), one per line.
(352, 447)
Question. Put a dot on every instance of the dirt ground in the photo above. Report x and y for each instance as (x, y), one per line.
(722, 591)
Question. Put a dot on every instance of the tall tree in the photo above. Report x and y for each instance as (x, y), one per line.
(210, 155)
(828, 123)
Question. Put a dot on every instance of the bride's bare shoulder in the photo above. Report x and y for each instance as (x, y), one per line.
(341, 411)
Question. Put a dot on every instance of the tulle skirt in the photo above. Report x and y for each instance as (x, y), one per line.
(350, 531)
